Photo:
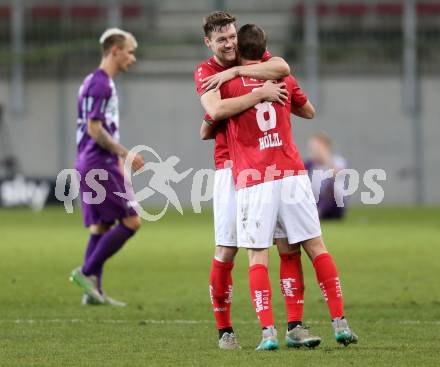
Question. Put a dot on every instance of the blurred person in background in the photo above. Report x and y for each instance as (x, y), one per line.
(328, 191)
(98, 148)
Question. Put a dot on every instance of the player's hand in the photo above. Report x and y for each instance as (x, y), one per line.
(275, 92)
(215, 81)
(137, 161)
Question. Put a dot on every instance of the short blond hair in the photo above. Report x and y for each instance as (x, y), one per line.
(115, 36)
(323, 137)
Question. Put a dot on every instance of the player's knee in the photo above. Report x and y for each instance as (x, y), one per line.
(282, 245)
(225, 254)
(314, 247)
(99, 228)
(285, 248)
(258, 256)
(134, 223)
(290, 251)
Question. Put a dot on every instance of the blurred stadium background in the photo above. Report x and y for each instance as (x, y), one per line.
(372, 69)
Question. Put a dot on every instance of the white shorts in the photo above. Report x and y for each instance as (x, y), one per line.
(288, 202)
(279, 231)
(225, 208)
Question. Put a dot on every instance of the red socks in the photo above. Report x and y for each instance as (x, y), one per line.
(292, 285)
(220, 289)
(328, 280)
(261, 294)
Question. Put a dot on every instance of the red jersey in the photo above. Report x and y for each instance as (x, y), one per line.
(207, 68)
(260, 139)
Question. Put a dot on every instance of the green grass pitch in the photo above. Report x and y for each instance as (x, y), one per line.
(388, 259)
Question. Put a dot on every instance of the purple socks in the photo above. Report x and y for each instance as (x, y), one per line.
(102, 247)
(93, 241)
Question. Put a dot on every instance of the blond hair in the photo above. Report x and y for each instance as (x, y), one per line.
(115, 36)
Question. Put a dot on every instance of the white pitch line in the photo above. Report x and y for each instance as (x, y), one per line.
(77, 321)
(195, 322)
(432, 322)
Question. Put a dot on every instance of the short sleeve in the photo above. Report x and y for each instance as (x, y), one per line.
(200, 73)
(299, 99)
(97, 98)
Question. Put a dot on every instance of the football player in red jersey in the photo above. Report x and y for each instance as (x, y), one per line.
(221, 38)
(274, 187)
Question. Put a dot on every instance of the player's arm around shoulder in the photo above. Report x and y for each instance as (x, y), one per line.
(225, 103)
(274, 68)
(212, 103)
